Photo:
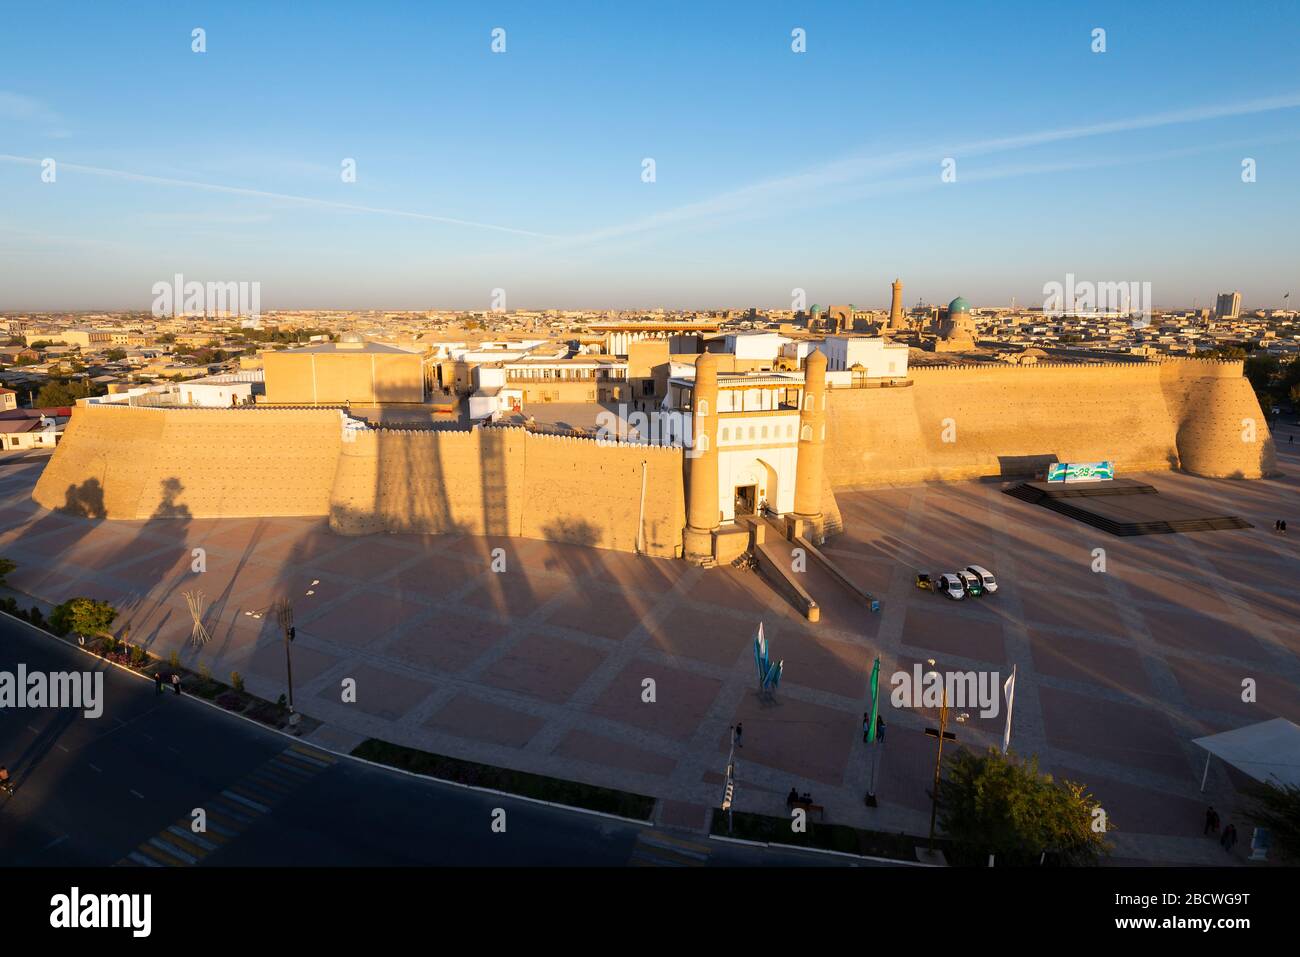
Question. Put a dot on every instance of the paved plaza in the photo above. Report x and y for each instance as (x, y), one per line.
(542, 666)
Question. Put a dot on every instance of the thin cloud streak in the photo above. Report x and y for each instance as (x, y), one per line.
(280, 197)
(853, 168)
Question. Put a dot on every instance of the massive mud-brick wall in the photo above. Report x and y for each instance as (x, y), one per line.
(142, 463)
(967, 422)
(510, 482)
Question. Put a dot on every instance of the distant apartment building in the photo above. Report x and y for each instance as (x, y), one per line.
(1228, 305)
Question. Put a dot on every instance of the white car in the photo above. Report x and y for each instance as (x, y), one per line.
(950, 586)
(985, 576)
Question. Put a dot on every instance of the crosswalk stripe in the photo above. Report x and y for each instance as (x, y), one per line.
(312, 755)
(203, 844)
(161, 859)
(657, 849)
(230, 809)
(264, 780)
(251, 787)
(219, 829)
(301, 768)
(164, 848)
(142, 860)
(233, 795)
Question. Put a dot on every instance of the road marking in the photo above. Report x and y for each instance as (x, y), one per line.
(54, 843)
(138, 794)
(230, 812)
(63, 749)
(93, 768)
(32, 730)
(656, 849)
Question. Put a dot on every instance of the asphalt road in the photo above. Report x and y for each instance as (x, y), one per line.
(122, 788)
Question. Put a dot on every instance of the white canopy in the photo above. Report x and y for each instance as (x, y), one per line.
(1268, 751)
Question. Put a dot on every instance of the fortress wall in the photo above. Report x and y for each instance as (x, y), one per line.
(578, 491)
(143, 463)
(102, 462)
(1009, 420)
(509, 482)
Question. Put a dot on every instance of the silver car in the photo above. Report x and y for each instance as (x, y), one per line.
(985, 576)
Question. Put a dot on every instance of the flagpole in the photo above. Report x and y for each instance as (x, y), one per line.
(872, 738)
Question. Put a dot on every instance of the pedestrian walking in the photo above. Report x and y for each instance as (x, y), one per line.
(157, 683)
(738, 731)
(1229, 839)
(880, 728)
(1284, 526)
(1211, 820)
(176, 683)
(866, 727)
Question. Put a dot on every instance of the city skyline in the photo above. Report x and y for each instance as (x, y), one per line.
(478, 171)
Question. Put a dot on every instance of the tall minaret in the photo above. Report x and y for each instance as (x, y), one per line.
(702, 512)
(812, 441)
(896, 306)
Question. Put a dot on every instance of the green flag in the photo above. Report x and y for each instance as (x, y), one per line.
(875, 699)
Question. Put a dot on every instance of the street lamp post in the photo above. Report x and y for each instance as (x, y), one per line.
(941, 733)
(285, 615)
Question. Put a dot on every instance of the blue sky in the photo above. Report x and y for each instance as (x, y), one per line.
(522, 170)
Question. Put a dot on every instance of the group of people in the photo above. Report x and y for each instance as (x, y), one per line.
(1280, 526)
(158, 682)
(794, 797)
(866, 727)
(1228, 838)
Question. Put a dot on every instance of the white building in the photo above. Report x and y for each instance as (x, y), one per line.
(755, 345)
(878, 357)
(492, 397)
(223, 391)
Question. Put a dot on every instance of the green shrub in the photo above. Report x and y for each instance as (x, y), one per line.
(237, 681)
(175, 659)
(139, 656)
(110, 644)
(205, 672)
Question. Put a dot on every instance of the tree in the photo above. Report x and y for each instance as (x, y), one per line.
(1278, 809)
(7, 567)
(61, 392)
(115, 355)
(1261, 370)
(1224, 352)
(996, 804)
(84, 616)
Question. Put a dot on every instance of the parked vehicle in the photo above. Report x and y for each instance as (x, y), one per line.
(985, 576)
(950, 586)
(924, 582)
(970, 584)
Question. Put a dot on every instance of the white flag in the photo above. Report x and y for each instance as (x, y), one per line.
(1009, 691)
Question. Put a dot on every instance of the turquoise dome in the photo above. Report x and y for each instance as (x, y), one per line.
(958, 305)
(816, 308)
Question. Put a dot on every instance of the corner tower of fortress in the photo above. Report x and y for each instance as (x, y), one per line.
(810, 468)
(702, 515)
